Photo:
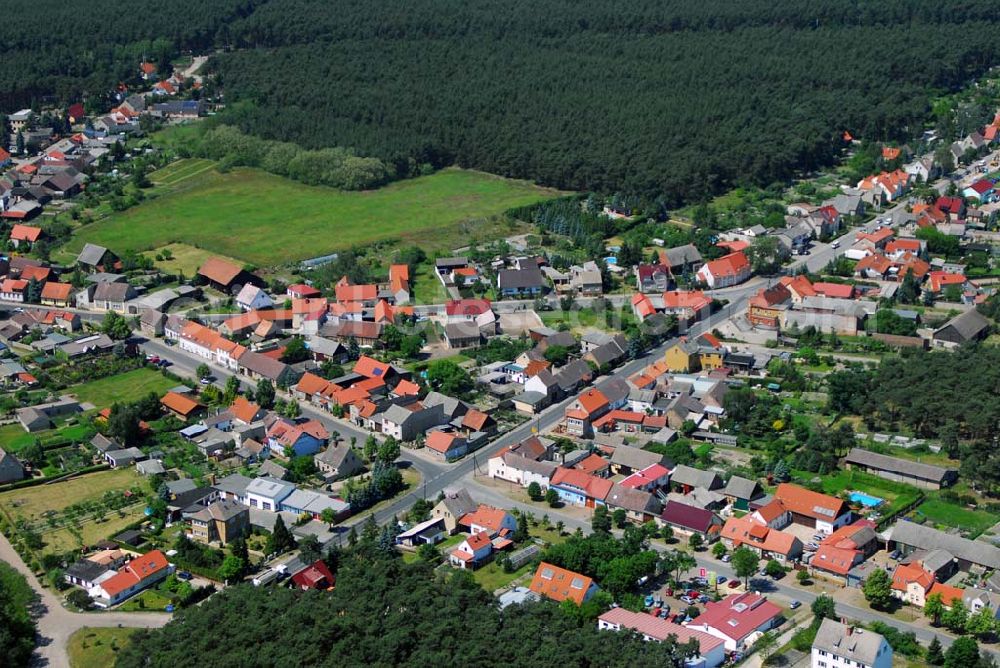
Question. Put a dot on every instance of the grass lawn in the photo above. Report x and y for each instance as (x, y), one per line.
(127, 386)
(97, 647)
(14, 437)
(492, 577)
(268, 220)
(947, 514)
(33, 503)
(149, 600)
(427, 287)
(183, 258)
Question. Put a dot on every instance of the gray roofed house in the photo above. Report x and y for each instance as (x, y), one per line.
(104, 444)
(39, 417)
(687, 476)
(848, 204)
(180, 486)
(742, 490)
(514, 282)
(258, 366)
(615, 389)
(910, 536)
(519, 462)
(626, 460)
(453, 507)
(125, 457)
(901, 470)
(682, 257)
(233, 487)
(10, 468)
(451, 406)
(92, 255)
(865, 648)
(607, 354)
(272, 469)
(976, 599)
(969, 326)
(151, 322)
(86, 573)
(108, 294)
(338, 461)
(641, 505)
(150, 467)
(573, 375)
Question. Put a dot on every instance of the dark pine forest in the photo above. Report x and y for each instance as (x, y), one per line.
(652, 97)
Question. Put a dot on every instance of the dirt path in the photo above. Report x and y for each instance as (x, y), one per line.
(56, 624)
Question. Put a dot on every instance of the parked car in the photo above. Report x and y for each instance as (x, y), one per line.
(720, 580)
(677, 618)
(703, 599)
(184, 575)
(693, 593)
(687, 599)
(669, 591)
(795, 605)
(726, 558)
(733, 584)
(894, 555)
(648, 601)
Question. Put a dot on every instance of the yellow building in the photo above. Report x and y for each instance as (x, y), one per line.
(682, 357)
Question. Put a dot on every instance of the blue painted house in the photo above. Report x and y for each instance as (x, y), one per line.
(578, 488)
(304, 438)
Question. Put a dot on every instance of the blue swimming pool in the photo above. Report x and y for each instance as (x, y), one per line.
(866, 500)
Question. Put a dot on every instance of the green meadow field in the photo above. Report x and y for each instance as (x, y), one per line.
(268, 220)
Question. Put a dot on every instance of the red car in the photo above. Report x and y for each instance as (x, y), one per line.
(693, 593)
(669, 592)
(733, 584)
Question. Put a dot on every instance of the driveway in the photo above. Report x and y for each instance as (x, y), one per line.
(56, 624)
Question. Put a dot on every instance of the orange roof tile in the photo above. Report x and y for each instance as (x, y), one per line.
(560, 584)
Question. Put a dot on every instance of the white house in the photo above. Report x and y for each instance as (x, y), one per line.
(521, 470)
(472, 551)
(711, 650)
(268, 493)
(841, 646)
(252, 298)
(728, 270)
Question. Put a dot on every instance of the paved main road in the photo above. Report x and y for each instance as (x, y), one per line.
(56, 624)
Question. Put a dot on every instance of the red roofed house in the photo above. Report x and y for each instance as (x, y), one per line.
(76, 113)
(369, 367)
(836, 290)
(586, 408)
(686, 305)
(24, 234)
(447, 444)
(898, 247)
(910, 583)
(799, 287)
(302, 291)
(768, 542)
(844, 549)
(12, 289)
(877, 239)
(954, 206)
(738, 620)
(135, 576)
(764, 308)
(939, 280)
(489, 520)
(399, 282)
(365, 294)
(580, 489)
(711, 650)
(147, 70)
(728, 270)
(459, 310)
(314, 576)
(979, 190)
(57, 294)
(180, 405)
(4, 158)
(225, 275)
(642, 306)
(560, 584)
(823, 512)
(472, 552)
(884, 187)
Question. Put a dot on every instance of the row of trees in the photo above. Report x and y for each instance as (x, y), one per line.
(17, 628)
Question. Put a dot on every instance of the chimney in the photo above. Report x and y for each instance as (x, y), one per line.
(850, 630)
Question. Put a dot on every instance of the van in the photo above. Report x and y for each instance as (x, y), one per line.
(835, 244)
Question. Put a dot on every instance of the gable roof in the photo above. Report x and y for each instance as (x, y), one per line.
(689, 517)
(808, 503)
(219, 271)
(853, 644)
(25, 233)
(581, 482)
(968, 325)
(738, 615)
(560, 584)
(56, 291)
(929, 538)
(179, 403)
(897, 465)
(692, 477)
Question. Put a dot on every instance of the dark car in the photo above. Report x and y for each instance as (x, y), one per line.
(184, 575)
